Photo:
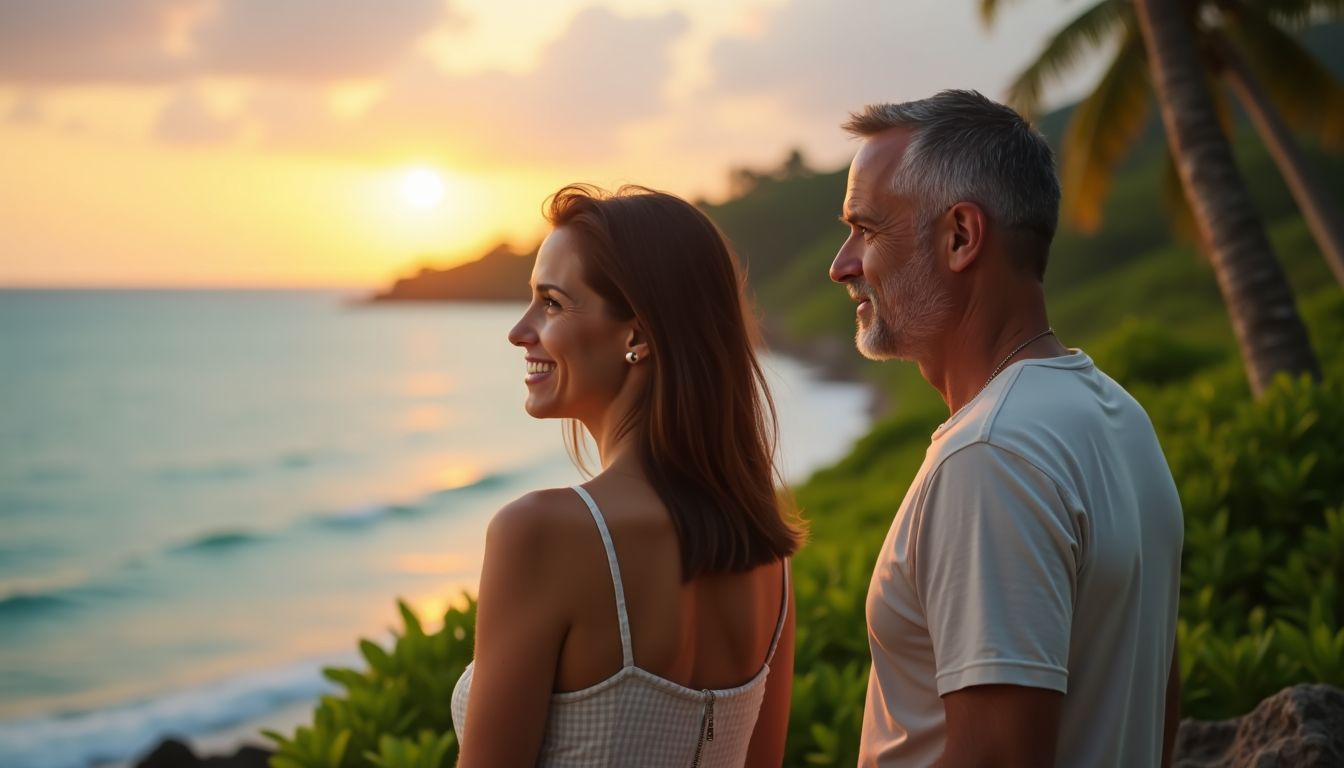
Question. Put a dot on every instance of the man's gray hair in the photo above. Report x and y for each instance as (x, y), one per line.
(966, 148)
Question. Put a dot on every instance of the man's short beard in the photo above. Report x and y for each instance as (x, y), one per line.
(908, 313)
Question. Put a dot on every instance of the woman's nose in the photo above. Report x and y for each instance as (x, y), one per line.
(522, 334)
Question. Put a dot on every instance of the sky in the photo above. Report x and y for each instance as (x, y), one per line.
(268, 143)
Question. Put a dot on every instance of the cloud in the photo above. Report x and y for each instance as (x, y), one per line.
(185, 120)
(604, 72)
(312, 39)
(54, 42)
(805, 66)
(601, 74)
(833, 58)
(73, 42)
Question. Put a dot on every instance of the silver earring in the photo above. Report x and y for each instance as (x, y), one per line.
(631, 357)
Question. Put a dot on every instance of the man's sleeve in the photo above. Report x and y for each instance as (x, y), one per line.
(997, 554)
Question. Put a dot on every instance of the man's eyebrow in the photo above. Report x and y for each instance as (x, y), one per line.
(854, 217)
(552, 288)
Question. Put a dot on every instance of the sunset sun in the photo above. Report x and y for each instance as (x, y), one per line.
(423, 188)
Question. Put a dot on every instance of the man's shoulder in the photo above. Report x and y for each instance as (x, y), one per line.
(1064, 402)
(1039, 411)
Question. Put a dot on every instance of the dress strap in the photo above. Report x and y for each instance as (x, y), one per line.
(627, 651)
(783, 613)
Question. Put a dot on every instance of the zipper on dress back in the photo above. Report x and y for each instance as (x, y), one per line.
(706, 726)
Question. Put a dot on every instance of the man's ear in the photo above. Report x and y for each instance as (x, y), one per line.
(966, 230)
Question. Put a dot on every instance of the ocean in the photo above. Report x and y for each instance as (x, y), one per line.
(206, 496)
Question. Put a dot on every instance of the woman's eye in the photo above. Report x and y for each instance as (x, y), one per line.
(550, 303)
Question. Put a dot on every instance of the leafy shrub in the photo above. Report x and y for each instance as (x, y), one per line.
(1142, 352)
(1262, 485)
(830, 653)
(396, 713)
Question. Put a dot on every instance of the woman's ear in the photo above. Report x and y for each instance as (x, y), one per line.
(637, 341)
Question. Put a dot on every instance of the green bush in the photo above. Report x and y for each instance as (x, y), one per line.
(1262, 486)
(395, 713)
(1143, 353)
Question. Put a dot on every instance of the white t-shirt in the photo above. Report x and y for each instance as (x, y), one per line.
(1040, 546)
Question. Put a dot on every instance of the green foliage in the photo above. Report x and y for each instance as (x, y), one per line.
(781, 215)
(831, 651)
(1262, 485)
(1141, 352)
(395, 713)
(428, 751)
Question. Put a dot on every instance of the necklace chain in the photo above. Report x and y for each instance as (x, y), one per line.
(999, 368)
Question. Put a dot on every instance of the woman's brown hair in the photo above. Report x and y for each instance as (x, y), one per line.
(706, 425)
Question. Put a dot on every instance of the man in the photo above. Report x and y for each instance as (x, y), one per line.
(1023, 607)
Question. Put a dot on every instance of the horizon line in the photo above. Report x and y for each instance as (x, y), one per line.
(186, 287)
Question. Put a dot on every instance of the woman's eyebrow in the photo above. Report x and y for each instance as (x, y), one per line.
(554, 289)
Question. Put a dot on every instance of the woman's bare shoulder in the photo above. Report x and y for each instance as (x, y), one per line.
(539, 520)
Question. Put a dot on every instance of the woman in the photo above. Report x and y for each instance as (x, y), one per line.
(643, 618)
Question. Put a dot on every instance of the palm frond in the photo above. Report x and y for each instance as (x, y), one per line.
(1297, 13)
(1101, 132)
(1090, 30)
(1307, 94)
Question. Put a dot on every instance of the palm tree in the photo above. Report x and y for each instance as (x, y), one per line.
(1279, 84)
(1308, 95)
(1269, 332)
(1161, 52)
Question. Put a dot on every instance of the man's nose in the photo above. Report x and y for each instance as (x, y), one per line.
(847, 264)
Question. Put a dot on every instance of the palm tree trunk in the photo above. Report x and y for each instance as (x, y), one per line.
(1264, 317)
(1325, 223)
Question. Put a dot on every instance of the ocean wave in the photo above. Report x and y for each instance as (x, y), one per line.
(125, 731)
(219, 470)
(229, 469)
(367, 515)
(218, 541)
(484, 482)
(20, 604)
(28, 598)
(364, 516)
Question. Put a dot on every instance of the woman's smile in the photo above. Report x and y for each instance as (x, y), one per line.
(538, 370)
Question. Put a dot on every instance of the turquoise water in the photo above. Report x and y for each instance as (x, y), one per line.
(207, 495)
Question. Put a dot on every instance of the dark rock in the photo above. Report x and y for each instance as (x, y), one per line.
(245, 757)
(172, 753)
(1301, 727)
